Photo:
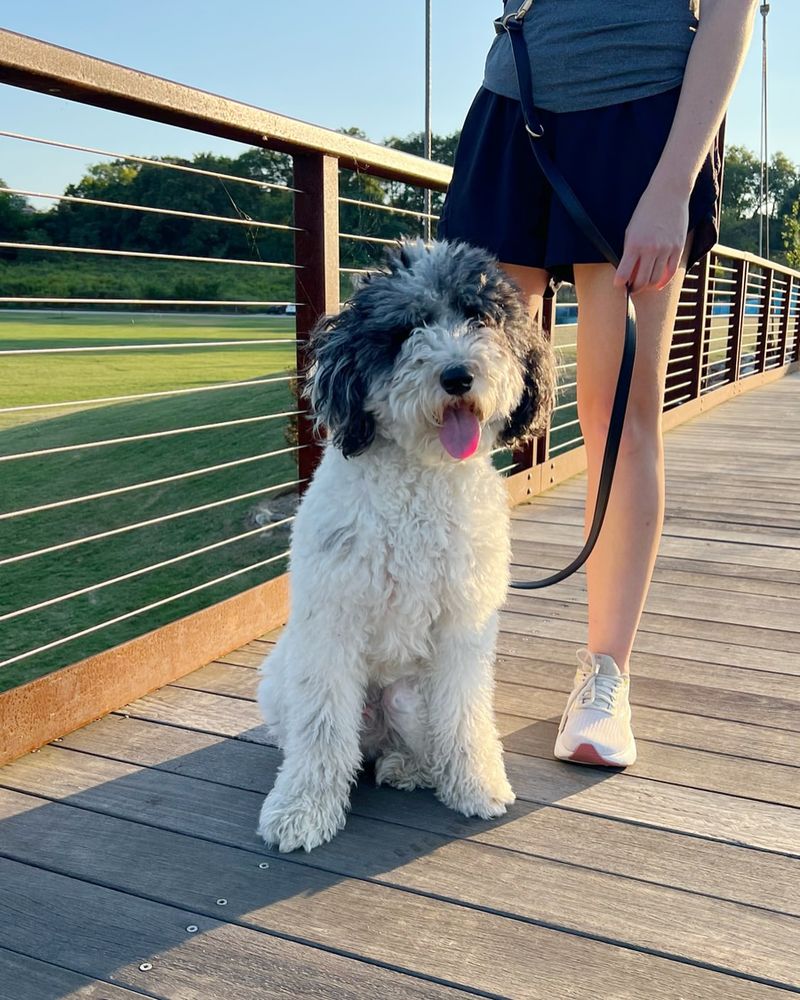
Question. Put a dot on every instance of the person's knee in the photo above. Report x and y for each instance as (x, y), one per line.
(531, 280)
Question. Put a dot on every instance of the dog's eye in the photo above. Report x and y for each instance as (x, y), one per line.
(476, 315)
(398, 335)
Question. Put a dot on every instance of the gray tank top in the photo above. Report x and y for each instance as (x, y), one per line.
(592, 53)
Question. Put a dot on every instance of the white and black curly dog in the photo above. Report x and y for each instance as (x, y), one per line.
(400, 550)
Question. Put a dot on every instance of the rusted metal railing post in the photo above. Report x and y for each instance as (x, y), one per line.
(764, 322)
(737, 318)
(316, 209)
(700, 326)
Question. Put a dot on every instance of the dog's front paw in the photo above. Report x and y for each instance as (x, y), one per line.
(488, 801)
(292, 823)
(400, 771)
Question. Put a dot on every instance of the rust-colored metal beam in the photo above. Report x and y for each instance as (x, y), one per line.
(36, 65)
(316, 210)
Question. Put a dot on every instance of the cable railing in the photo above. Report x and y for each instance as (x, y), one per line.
(154, 437)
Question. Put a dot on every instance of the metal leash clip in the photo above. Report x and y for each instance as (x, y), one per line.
(500, 22)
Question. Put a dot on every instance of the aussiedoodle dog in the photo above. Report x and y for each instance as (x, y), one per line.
(400, 550)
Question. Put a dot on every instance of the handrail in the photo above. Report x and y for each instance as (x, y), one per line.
(50, 69)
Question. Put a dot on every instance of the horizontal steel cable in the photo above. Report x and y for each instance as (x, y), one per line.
(150, 162)
(383, 208)
(177, 477)
(161, 519)
(150, 436)
(368, 239)
(142, 571)
(65, 300)
(251, 223)
(556, 449)
(146, 395)
(151, 347)
(148, 256)
(140, 611)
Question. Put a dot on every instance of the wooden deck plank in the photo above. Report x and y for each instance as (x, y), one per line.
(769, 621)
(726, 577)
(520, 635)
(25, 978)
(761, 640)
(739, 530)
(697, 548)
(325, 906)
(678, 600)
(93, 929)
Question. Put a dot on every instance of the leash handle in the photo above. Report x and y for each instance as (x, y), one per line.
(511, 24)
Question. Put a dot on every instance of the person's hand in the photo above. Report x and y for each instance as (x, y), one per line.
(654, 240)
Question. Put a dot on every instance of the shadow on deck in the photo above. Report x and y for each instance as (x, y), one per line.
(130, 866)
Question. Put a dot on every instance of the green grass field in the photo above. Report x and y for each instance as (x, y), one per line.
(28, 482)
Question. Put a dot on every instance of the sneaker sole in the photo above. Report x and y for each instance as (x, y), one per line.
(587, 753)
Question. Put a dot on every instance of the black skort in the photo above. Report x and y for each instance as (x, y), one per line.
(499, 199)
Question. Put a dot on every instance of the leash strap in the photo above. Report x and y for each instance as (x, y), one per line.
(512, 25)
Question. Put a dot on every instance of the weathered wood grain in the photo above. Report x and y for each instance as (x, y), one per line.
(675, 600)
(759, 640)
(697, 548)
(519, 636)
(100, 931)
(325, 906)
(24, 978)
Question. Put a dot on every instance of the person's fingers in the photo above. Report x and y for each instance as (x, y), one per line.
(670, 269)
(644, 275)
(627, 268)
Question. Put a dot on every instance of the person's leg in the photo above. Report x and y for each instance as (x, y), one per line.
(532, 282)
(620, 568)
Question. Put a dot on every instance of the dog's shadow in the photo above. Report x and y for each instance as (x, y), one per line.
(392, 836)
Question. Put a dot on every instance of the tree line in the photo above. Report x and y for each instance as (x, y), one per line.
(70, 223)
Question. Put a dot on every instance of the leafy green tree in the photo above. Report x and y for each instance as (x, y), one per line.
(742, 214)
(791, 234)
(14, 217)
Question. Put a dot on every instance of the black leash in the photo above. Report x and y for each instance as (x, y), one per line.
(512, 25)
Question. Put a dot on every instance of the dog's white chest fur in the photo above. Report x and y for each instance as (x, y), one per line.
(401, 549)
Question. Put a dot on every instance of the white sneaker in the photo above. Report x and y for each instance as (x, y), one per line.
(596, 724)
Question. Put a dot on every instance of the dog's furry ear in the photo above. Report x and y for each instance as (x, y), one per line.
(530, 416)
(336, 386)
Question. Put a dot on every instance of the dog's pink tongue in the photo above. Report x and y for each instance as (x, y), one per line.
(460, 432)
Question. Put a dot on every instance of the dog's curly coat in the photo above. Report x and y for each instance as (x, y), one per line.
(400, 553)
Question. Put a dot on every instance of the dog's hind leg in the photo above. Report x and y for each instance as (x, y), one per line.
(464, 749)
(323, 694)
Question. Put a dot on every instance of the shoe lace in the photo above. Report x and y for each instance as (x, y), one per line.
(599, 691)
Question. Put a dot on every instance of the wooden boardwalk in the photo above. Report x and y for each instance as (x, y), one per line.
(129, 865)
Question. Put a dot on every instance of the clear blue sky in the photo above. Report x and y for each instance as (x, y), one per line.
(335, 63)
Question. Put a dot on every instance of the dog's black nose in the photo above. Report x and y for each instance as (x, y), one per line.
(456, 380)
